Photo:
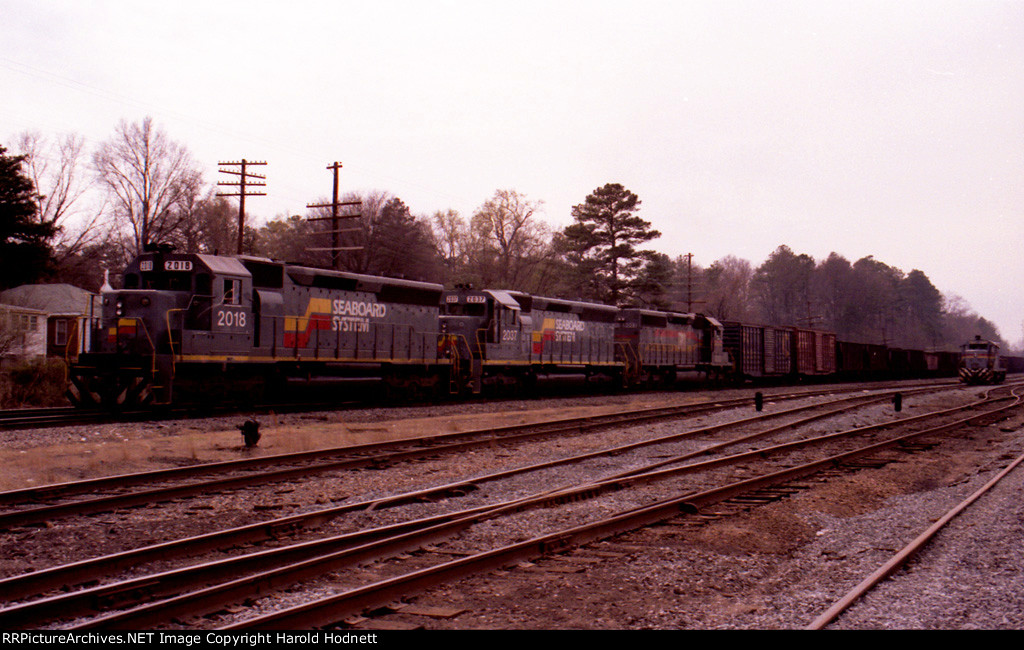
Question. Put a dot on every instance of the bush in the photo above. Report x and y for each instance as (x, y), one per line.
(39, 382)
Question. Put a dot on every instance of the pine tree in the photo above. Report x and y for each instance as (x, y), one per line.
(602, 245)
(25, 252)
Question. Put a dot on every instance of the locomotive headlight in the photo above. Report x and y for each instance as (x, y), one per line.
(145, 302)
(120, 308)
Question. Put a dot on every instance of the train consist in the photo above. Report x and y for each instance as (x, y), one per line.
(205, 328)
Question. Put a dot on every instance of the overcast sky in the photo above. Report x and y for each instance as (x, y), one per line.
(890, 128)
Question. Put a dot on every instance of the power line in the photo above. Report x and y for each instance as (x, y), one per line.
(335, 231)
(242, 184)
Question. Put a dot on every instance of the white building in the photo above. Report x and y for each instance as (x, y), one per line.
(45, 320)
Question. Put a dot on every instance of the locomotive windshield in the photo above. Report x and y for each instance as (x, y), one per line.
(465, 309)
(161, 275)
(159, 280)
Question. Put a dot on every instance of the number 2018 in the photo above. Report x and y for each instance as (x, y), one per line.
(231, 319)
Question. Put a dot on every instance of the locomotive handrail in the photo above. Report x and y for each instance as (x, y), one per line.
(67, 352)
(481, 341)
(632, 364)
(170, 342)
(72, 336)
(170, 331)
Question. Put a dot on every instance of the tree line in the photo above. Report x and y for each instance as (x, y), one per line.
(67, 215)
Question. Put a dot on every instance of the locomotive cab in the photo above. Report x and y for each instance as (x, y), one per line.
(489, 324)
(170, 304)
(485, 326)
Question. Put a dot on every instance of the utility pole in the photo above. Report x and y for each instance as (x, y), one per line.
(689, 282)
(335, 218)
(242, 184)
(690, 300)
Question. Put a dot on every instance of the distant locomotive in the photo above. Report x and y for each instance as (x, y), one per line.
(981, 363)
(191, 328)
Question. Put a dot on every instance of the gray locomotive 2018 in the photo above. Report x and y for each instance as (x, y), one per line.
(189, 326)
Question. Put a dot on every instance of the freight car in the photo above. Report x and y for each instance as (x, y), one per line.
(941, 363)
(765, 351)
(861, 361)
(1013, 364)
(814, 352)
(191, 327)
(759, 351)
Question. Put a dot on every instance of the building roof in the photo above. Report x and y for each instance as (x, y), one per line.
(51, 298)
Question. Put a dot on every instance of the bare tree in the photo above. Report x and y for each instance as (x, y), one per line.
(727, 288)
(55, 169)
(450, 234)
(151, 181)
(519, 240)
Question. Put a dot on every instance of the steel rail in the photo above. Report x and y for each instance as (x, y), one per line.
(329, 610)
(413, 535)
(68, 575)
(41, 492)
(443, 443)
(908, 552)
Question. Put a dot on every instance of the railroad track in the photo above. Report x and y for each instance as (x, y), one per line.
(41, 504)
(36, 418)
(764, 487)
(358, 546)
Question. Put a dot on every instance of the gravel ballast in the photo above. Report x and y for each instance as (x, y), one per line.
(776, 566)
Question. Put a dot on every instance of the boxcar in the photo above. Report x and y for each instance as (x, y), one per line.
(815, 352)
(759, 350)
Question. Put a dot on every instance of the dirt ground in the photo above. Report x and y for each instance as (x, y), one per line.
(42, 457)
